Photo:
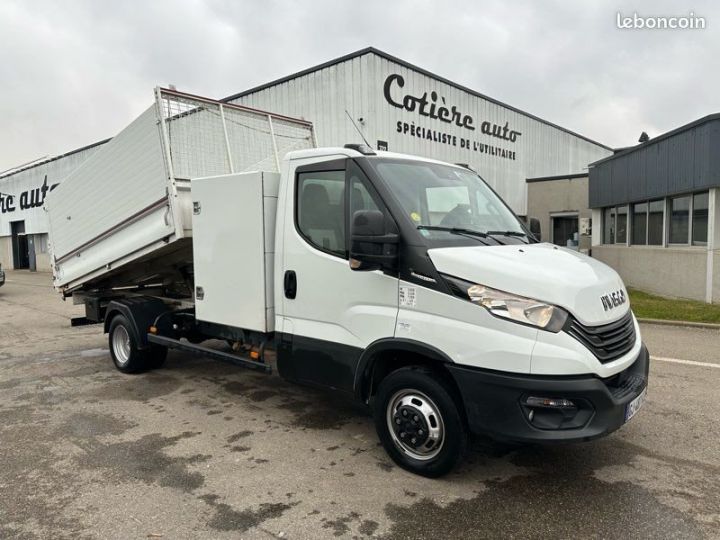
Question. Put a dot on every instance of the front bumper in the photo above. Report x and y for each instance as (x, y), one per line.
(495, 402)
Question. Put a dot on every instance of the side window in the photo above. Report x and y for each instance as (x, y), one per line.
(320, 210)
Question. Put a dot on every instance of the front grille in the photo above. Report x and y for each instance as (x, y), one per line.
(607, 342)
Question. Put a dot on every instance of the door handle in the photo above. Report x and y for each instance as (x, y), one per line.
(290, 284)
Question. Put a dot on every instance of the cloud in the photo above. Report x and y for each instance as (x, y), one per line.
(76, 72)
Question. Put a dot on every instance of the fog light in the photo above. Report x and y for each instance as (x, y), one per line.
(549, 403)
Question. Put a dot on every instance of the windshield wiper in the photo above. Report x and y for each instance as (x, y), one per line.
(477, 235)
(517, 234)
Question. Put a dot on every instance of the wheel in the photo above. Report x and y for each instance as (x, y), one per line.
(123, 347)
(419, 422)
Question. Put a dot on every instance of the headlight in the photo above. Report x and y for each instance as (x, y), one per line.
(511, 306)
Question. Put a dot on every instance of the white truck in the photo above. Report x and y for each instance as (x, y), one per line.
(399, 281)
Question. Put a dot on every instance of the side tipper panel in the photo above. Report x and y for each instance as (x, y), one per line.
(114, 205)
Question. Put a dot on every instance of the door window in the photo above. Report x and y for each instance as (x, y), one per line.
(321, 210)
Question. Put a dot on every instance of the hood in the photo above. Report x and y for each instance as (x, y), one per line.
(584, 286)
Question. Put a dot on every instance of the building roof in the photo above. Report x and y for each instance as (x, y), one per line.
(620, 152)
(408, 65)
(557, 177)
(681, 161)
(33, 164)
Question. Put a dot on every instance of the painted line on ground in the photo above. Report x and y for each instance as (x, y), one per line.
(686, 362)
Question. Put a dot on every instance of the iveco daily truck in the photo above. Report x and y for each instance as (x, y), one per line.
(402, 282)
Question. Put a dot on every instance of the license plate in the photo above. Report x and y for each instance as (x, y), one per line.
(633, 407)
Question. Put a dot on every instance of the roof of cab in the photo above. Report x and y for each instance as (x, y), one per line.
(349, 152)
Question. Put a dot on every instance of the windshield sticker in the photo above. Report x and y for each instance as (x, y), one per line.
(407, 296)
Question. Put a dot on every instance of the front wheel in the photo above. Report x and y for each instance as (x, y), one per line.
(418, 421)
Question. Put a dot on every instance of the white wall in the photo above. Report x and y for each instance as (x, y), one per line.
(357, 85)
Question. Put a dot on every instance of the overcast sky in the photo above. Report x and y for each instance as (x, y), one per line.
(75, 72)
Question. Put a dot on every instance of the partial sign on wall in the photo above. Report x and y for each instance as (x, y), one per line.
(23, 192)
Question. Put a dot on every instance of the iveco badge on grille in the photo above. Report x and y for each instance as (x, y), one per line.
(613, 299)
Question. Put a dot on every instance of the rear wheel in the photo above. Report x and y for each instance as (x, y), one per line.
(418, 421)
(123, 347)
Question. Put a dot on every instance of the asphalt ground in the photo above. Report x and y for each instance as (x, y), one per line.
(200, 449)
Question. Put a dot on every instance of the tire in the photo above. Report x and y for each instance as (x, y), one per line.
(123, 347)
(431, 438)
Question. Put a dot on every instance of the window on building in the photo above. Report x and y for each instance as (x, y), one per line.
(321, 210)
(621, 221)
(609, 226)
(700, 218)
(679, 208)
(655, 223)
(639, 224)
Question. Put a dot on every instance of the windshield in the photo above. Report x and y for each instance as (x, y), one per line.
(439, 198)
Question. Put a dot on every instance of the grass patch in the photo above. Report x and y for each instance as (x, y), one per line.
(650, 306)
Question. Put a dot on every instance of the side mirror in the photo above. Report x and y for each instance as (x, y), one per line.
(534, 225)
(373, 241)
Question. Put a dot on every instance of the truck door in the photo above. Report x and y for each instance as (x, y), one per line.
(330, 312)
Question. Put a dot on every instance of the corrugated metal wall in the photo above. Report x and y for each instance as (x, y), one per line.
(356, 85)
(686, 161)
(31, 179)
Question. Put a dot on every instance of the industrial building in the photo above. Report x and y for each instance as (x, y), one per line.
(656, 210)
(560, 203)
(368, 94)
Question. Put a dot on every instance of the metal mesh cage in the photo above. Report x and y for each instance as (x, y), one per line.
(206, 137)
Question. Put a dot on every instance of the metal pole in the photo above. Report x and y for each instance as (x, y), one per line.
(274, 142)
(314, 137)
(172, 192)
(227, 139)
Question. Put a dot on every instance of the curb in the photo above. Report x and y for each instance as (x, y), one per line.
(690, 324)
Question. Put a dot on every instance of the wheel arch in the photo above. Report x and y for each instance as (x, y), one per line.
(140, 312)
(385, 355)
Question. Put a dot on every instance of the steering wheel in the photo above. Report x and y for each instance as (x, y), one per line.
(460, 216)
